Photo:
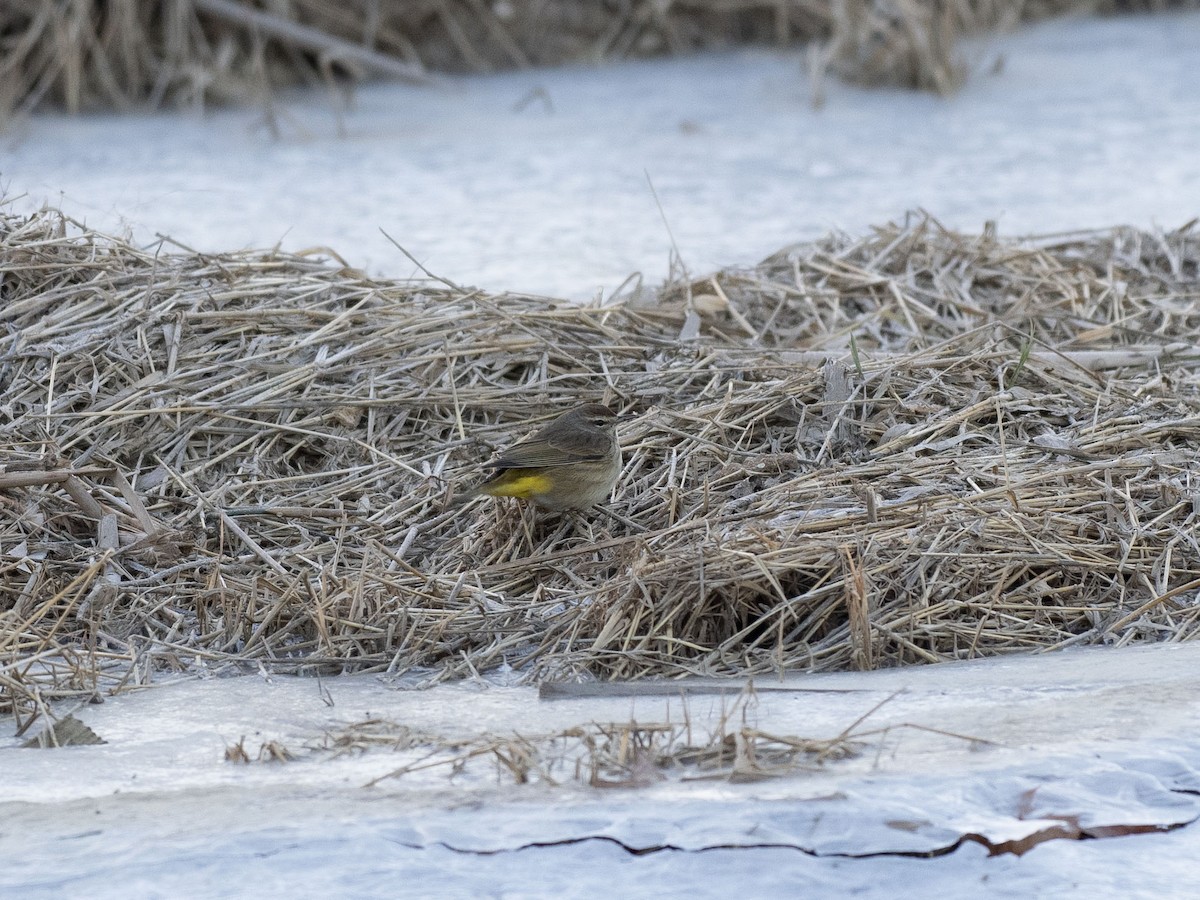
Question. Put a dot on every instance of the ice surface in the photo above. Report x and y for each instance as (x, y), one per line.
(1101, 737)
(1089, 123)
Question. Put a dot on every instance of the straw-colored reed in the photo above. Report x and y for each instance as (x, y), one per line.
(907, 447)
(121, 54)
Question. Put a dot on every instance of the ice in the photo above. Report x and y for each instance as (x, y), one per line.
(1089, 123)
(1001, 749)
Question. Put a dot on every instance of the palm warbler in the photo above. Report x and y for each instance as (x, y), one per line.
(572, 463)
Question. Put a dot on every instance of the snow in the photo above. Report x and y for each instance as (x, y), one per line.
(1088, 123)
(1106, 736)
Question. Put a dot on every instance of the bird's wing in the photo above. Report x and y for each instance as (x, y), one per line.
(574, 446)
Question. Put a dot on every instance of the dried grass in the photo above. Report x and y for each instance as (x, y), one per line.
(908, 447)
(628, 754)
(118, 54)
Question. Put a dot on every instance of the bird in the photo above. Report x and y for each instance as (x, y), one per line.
(570, 464)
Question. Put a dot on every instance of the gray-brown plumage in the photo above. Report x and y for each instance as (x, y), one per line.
(571, 463)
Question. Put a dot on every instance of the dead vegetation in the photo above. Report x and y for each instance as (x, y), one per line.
(906, 447)
(123, 54)
(627, 754)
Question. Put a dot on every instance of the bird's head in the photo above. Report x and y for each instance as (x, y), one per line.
(595, 414)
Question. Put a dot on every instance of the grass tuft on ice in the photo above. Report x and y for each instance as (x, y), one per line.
(904, 447)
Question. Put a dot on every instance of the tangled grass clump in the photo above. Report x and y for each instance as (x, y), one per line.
(908, 447)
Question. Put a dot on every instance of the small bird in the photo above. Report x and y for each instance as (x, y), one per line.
(572, 463)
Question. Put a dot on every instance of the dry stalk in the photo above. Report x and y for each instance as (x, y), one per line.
(263, 445)
(88, 54)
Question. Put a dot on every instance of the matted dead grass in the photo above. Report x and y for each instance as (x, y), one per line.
(122, 54)
(904, 447)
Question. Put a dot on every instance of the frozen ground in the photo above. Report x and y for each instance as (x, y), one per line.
(537, 181)
(1089, 123)
(1107, 738)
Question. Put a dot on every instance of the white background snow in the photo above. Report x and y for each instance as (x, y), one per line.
(1088, 124)
(537, 182)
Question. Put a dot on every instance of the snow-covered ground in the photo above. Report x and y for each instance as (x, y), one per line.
(537, 182)
(1104, 738)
